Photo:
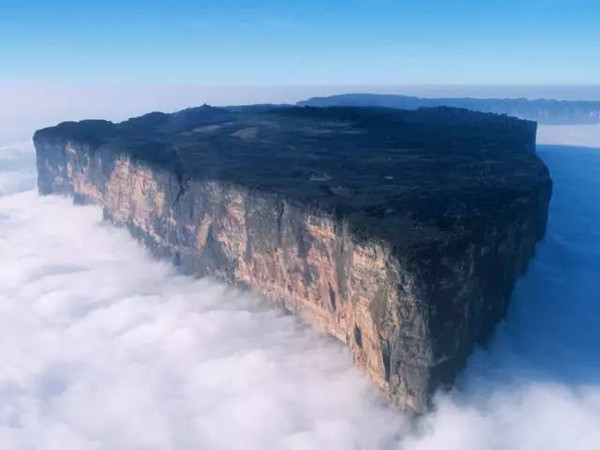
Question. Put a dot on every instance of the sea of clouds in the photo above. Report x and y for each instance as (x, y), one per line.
(103, 347)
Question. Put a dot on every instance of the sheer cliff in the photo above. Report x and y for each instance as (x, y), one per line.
(401, 233)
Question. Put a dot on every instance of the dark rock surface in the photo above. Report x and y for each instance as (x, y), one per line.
(544, 111)
(401, 233)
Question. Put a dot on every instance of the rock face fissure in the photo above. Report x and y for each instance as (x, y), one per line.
(400, 233)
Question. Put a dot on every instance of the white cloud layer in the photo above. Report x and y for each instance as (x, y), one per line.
(102, 347)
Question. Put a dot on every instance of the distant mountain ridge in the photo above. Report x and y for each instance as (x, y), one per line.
(544, 111)
(401, 233)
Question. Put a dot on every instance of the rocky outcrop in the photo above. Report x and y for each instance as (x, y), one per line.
(399, 233)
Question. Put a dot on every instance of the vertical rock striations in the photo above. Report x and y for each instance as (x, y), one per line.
(401, 233)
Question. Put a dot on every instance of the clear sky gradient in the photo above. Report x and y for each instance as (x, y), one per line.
(282, 42)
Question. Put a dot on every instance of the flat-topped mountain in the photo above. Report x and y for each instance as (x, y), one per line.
(399, 232)
(545, 111)
(371, 166)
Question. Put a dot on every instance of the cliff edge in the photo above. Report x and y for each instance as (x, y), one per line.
(401, 233)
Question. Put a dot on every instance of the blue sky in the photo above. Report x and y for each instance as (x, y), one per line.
(308, 42)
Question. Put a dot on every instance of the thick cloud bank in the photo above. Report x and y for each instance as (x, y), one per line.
(102, 347)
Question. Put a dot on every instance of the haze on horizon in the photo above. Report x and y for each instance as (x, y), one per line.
(71, 60)
(105, 347)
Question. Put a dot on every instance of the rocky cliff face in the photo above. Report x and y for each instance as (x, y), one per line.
(409, 278)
